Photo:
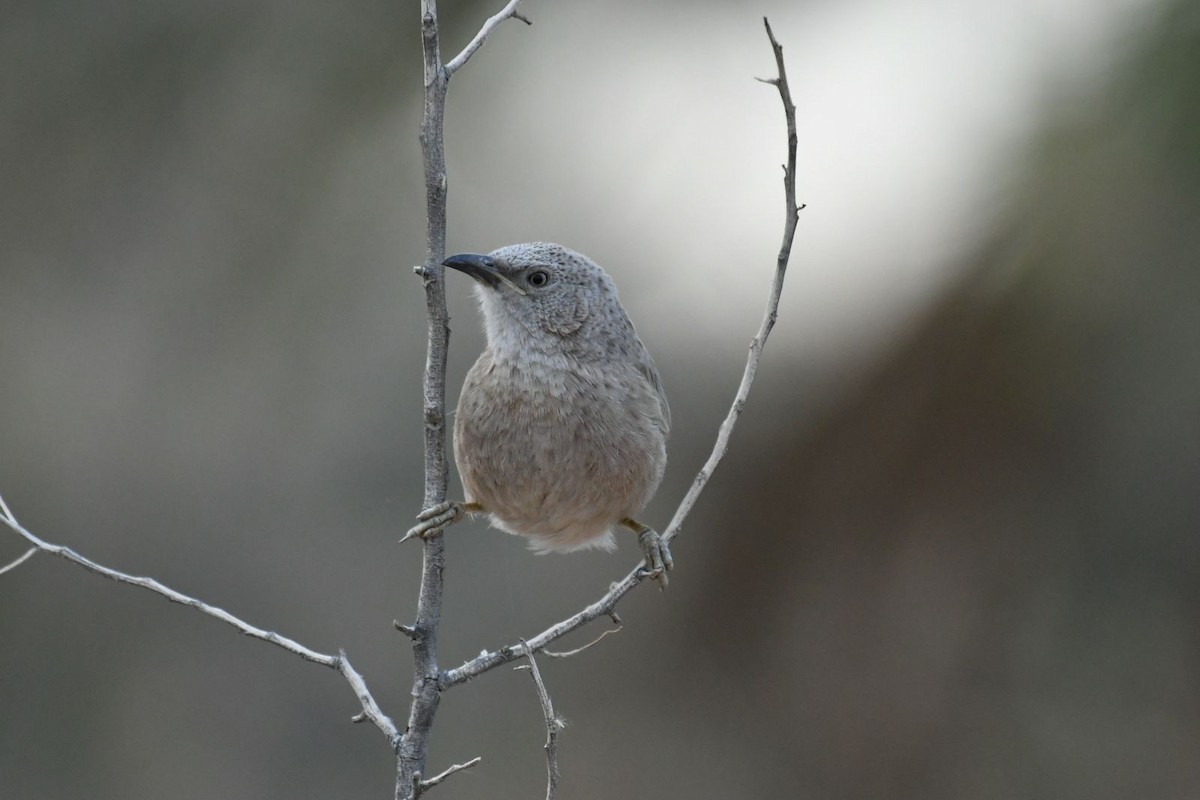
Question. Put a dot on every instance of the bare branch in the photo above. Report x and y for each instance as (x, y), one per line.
(8, 515)
(608, 602)
(486, 661)
(21, 560)
(508, 12)
(441, 776)
(414, 743)
(426, 692)
(553, 726)
(370, 709)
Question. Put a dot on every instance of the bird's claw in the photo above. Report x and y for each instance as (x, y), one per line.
(432, 520)
(658, 556)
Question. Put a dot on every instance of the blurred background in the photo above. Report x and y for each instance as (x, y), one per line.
(954, 551)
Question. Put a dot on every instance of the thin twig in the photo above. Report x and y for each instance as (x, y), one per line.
(607, 603)
(508, 12)
(370, 709)
(772, 310)
(8, 515)
(441, 776)
(21, 560)
(486, 660)
(553, 725)
(578, 650)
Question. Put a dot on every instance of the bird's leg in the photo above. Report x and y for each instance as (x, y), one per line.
(432, 520)
(658, 555)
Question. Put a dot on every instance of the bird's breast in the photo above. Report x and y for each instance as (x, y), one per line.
(559, 454)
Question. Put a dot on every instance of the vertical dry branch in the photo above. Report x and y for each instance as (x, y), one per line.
(414, 744)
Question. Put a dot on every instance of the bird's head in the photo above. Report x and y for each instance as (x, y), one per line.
(544, 297)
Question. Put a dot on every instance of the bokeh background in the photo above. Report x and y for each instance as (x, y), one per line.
(954, 551)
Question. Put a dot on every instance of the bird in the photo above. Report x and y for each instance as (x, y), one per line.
(561, 430)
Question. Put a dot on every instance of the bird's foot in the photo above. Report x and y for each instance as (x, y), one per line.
(654, 547)
(433, 520)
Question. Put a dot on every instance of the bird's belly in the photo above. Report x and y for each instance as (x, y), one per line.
(561, 473)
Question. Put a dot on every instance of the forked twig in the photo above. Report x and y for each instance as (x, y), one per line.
(508, 12)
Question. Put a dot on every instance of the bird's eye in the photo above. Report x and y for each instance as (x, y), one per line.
(538, 278)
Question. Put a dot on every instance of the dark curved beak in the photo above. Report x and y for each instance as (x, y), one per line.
(482, 269)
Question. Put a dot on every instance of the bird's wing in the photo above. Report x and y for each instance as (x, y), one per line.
(645, 365)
